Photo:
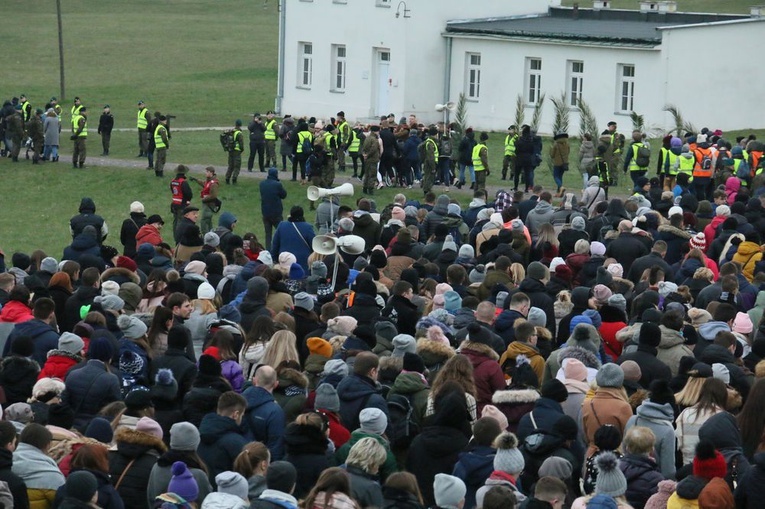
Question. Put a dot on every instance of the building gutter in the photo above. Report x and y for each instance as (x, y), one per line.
(640, 44)
(448, 71)
(712, 24)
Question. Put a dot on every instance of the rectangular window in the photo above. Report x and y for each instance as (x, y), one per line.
(383, 3)
(305, 65)
(473, 76)
(626, 87)
(533, 80)
(575, 79)
(338, 68)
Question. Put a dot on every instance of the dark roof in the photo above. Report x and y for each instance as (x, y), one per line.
(610, 26)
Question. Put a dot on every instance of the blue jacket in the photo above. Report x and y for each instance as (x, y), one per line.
(81, 245)
(357, 393)
(88, 390)
(474, 467)
(546, 413)
(45, 338)
(287, 238)
(410, 148)
(271, 195)
(221, 441)
(264, 420)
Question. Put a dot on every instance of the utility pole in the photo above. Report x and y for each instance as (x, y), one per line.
(60, 50)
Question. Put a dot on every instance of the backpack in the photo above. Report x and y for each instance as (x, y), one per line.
(421, 155)
(643, 156)
(307, 146)
(445, 147)
(402, 427)
(706, 161)
(227, 140)
(604, 231)
(743, 171)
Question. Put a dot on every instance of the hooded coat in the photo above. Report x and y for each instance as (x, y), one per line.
(221, 441)
(357, 392)
(487, 373)
(306, 447)
(368, 229)
(88, 217)
(541, 214)
(659, 419)
(18, 376)
(739, 380)
(672, 348)
(474, 467)
(539, 298)
(750, 491)
(435, 217)
(264, 420)
(722, 430)
(643, 478)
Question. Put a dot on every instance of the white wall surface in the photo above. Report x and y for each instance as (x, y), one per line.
(417, 52)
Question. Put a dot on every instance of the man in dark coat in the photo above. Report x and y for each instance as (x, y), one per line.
(534, 286)
(400, 309)
(88, 216)
(651, 368)
(367, 228)
(254, 302)
(655, 257)
(39, 330)
(360, 390)
(272, 193)
(529, 203)
(435, 216)
(221, 437)
(626, 248)
(721, 352)
(364, 309)
(546, 411)
(265, 420)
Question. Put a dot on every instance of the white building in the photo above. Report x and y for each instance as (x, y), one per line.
(373, 57)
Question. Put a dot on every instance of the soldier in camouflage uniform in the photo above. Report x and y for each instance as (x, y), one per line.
(431, 160)
(15, 130)
(371, 151)
(331, 148)
(35, 131)
(614, 143)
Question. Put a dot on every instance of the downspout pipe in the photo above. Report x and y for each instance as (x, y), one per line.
(280, 71)
(447, 71)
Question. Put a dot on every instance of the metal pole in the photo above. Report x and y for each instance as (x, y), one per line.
(60, 50)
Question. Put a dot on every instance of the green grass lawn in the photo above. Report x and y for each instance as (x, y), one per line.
(206, 61)
(727, 7)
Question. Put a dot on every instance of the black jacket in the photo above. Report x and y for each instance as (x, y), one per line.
(221, 441)
(643, 477)
(307, 451)
(89, 389)
(15, 483)
(403, 313)
(143, 450)
(750, 491)
(17, 377)
(434, 451)
(87, 216)
(364, 309)
(129, 230)
(82, 297)
(184, 370)
(738, 379)
(651, 368)
(626, 248)
(539, 298)
(646, 262)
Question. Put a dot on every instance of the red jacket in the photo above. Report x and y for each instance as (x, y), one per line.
(15, 312)
(148, 234)
(487, 373)
(710, 231)
(337, 432)
(608, 332)
(58, 364)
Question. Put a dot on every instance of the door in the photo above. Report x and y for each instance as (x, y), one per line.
(382, 88)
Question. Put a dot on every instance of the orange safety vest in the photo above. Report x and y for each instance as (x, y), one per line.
(704, 166)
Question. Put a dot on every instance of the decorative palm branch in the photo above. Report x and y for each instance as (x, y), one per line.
(460, 115)
(520, 111)
(536, 118)
(587, 121)
(560, 114)
(638, 121)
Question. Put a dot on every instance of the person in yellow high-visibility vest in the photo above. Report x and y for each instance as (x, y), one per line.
(481, 162)
(271, 135)
(79, 137)
(161, 143)
(344, 140)
(508, 161)
(144, 117)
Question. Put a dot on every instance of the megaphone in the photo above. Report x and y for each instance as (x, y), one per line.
(314, 193)
(448, 106)
(327, 245)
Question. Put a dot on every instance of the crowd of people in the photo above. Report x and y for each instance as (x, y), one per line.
(535, 350)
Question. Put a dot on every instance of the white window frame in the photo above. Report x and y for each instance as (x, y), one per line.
(625, 94)
(575, 82)
(473, 76)
(339, 68)
(339, 1)
(305, 65)
(383, 3)
(533, 81)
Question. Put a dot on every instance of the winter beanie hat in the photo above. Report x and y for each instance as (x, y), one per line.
(131, 327)
(165, 386)
(319, 346)
(110, 288)
(373, 420)
(610, 375)
(632, 371)
(71, 343)
(537, 317)
(708, 463)
(233, 484)
(508, 458)
(402, 344)
(326, 398)
(49, 265)
(449, 491)
(110, 302)
(149, 426)
(611, 480)
(616, 270)
(81, 485)
(184, 436)
(602, 502)
(183, 483)
(100, 429)
(555, 390)
(478, 274)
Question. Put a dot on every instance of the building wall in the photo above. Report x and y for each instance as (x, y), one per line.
(417, 52)
(504, 76)
(668, 74)
(723, 99)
